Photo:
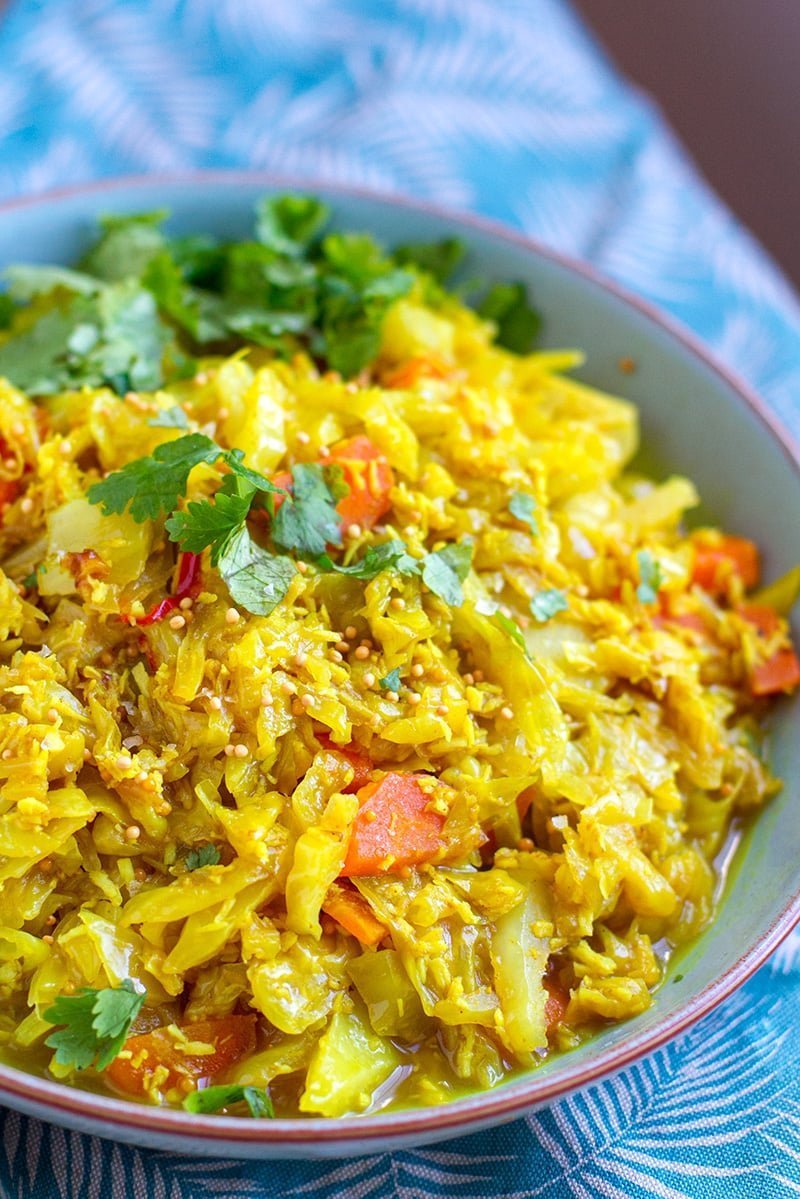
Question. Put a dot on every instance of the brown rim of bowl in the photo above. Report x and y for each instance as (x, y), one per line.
(515, 1098)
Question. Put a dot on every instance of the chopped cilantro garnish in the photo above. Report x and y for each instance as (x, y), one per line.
(389, 555)
(170, 418)
(204, 855)
(141, 301)
(94, 1024)
(512, 628)
(523, 507)
(650, 579)
(203, 524)
(548, 603)
(517, 323)
(113, 337)
(288, 224)
(256, 579)
(307, 520)
(438, 259)
(153, 485)
(391, 681)
(126, 245)
(213, 1099)
(445, 570)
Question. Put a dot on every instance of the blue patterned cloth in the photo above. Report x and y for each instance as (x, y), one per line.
(507, 108)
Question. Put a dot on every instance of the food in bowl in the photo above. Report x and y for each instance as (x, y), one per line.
(370, 725)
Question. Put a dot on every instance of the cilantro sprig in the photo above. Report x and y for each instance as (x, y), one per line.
(442, 571)
(93, 1024)
(213, 1099)
(142, 303)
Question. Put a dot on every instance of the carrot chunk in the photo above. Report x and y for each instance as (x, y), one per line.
(716, 561)
(781, 672)
(765, 619)
(394, 828)
(556, 1006)
(422, 366)
(362, 766)
(370, 478)
(232, 1037)
(344, 905)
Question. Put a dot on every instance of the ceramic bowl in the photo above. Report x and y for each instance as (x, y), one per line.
(696, 420)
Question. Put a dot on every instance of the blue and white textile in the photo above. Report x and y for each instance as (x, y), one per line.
(506, 108)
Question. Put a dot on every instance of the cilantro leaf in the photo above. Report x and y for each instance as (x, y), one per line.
(202, 524)
(438, 258)
(289, 223)
(94, 1024)
(28, 280)
(307, 520)
(444, 570)
(548, 603)
(357, 286)
(256, 579)
(523, 507)
(152, 485)
(213, 1099)
(512, 628)
(113, 337)
(127, 244)
(204, 855)
(517, 323)
(650, 578)
(170, 418)
(389, 555)
(391, 681)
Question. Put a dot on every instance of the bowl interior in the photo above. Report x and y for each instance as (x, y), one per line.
(695, 422)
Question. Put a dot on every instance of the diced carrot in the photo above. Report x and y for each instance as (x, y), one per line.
(781, 672)
(233, 1037)
(395, 827)
(765, 619)
(556, 1006)
(344, 905)
(370, 478)
(685, 620)
(715, 561)
(423, 366)
(9, 491)
(362, 766)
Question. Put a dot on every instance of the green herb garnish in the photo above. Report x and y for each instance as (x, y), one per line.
(523, 507)
(650, 578)
(548, 603)
(204, 855)
(213, 1099)
(391, 681)
(307, 520)
(94, 1024)
(445, 570)
(512, 628)
(517, 323)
